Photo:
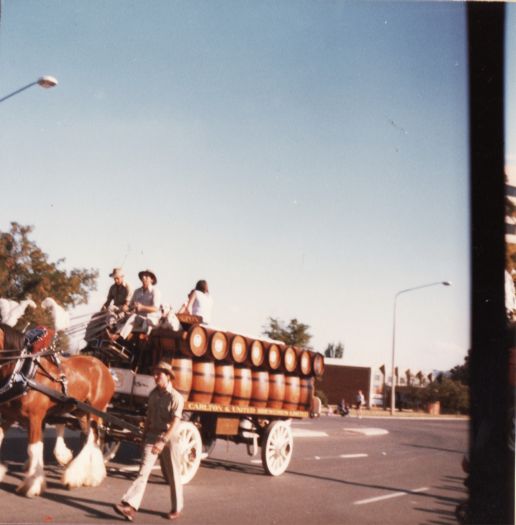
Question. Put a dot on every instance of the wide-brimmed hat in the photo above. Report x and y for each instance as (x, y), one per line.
(150, 274)
(117, 272)
(165, 367)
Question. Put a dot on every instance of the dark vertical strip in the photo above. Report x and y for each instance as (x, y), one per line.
(491, 482)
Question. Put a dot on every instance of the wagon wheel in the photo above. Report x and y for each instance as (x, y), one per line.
(190, 450)
(277, 446)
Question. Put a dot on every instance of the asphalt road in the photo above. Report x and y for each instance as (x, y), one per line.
(343, 470)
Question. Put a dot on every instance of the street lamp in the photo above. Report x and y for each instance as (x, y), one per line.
(45, 82)
(393, 381)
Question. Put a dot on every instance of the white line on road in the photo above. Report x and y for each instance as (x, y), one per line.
(389, 496)
(367, 431)
(297, 432)
(340, 456)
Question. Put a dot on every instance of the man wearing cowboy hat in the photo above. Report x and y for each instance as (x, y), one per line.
(120, 292)
(164, 412)
(145, 304)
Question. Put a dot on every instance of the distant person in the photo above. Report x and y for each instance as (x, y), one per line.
(160, 440)
(120, 292)
(360, 402)
(343, 408)
(145, 305)
(199, 302)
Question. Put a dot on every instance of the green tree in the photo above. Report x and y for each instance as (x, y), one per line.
(453, 395)
(334, 350)
(460, 373)
(295, 333)
(26, 272)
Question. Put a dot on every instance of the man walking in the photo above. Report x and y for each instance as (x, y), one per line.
(163, 416)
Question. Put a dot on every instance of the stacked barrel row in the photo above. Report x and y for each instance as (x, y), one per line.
(212, 366)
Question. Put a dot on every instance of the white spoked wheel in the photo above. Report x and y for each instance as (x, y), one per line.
(190, 450)
(277, 446)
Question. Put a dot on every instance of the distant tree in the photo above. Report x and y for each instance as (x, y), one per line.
(26, 272)
(453, 395)
(460, 373)
(334, 350)
(295, 333)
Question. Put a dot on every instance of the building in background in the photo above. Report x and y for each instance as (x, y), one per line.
(341, 381)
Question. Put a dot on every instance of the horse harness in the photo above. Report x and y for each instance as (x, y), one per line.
(28, 361)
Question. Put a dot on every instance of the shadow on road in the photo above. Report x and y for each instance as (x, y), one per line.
(461, 452)
(245, 468)
(57, 494)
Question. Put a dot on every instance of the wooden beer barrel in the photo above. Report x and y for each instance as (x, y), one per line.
(292, 393)
(289, 359)
(305, 362)
(238, 348)
(243, 386)
(203, 381)
(318, 364)
(306, 385)
(164, 339)
(276, 390)
(195, 341)
(257, 354)
(224, 383)
(273, 357)
(260, 390)
(218, 345)
(182, 367)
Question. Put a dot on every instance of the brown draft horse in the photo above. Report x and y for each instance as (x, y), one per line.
(89, 381)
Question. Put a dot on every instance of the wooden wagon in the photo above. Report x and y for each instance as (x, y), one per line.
(242, 389)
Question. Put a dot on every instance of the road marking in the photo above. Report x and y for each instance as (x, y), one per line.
(297, 432)
(367, 431)
(256, 461)
(340, 456)
(389, 496)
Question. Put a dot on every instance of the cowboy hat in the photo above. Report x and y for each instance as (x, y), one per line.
(117, 272)
(150, 274)
(165, 367)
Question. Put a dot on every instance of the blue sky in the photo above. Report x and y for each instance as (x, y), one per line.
(309, 159)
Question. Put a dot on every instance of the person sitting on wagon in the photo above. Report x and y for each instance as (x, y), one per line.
(120, 292)
(145, 305)
(199, 302)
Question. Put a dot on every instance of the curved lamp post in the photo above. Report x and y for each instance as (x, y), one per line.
(393, 380)
(45, 82)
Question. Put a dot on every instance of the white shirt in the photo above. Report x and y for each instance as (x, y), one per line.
(202, 305)
(149, 297)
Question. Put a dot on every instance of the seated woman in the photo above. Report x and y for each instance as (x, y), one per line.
(199, 302)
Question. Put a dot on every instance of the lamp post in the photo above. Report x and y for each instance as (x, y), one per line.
(393, 381)
(45, 82)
